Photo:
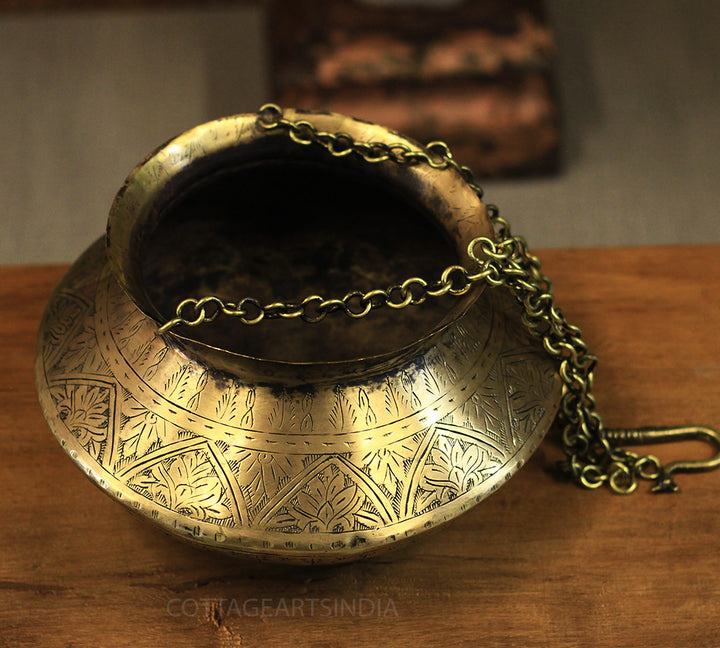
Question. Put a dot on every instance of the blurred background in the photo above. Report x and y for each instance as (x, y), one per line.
(594, 123)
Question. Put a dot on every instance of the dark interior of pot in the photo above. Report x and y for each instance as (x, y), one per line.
(279, 231)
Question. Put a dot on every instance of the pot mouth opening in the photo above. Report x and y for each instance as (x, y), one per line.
(232, 210)
(279, 230)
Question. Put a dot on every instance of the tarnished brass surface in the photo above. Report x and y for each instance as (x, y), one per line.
(308, 462)
(325, 463)
(651, 468)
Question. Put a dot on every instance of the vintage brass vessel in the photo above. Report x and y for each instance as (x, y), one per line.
(309, 461)
(258, 441)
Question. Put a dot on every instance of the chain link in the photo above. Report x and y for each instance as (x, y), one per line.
(591, 459)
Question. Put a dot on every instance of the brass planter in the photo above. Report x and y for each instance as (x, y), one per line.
(318, 461)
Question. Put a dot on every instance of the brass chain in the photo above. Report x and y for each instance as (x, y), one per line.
(591, 457)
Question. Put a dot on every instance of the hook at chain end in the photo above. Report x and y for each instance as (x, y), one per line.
(663, 476)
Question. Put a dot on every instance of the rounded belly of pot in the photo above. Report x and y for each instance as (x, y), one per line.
(289, 462)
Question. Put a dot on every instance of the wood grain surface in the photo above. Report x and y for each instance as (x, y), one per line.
(540, 563)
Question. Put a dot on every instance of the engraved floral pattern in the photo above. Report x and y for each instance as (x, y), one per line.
(329, 503)
(138, 427)
(264, 472)
(454, 468)
(528, 390)
(81, 354)
(484, 411)
(62, 317)
(84, 410)
(143, 430)
(342, 415)
(386, 466)
(186, 484)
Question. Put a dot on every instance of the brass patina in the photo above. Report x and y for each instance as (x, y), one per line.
(278, 454)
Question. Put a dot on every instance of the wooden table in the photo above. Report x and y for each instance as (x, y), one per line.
(541, 563)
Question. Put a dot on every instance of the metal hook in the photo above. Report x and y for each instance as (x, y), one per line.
(642, 436)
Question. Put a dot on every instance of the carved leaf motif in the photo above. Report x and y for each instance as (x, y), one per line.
(61, 318)
(140, 354)
(248, 418)
(342, 414)
(386, 466)
(186, 484)
(226, 407)
(529, 389)
(283, 520)
(484, 412)
(263, 473)
(328, 504)
(84, 409)
(432, 386)
(306, 403)
(143, 431)
(199, 386)
(306, 424)
(411, 399)
(157, 359)
(465, 343)
(454, 469)
(369, 519)
(282, 415)
(391, 399)
(441, 363)
(176, 385)
(364, 405)
(425, 499)
(80, 354)
(128, 334)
